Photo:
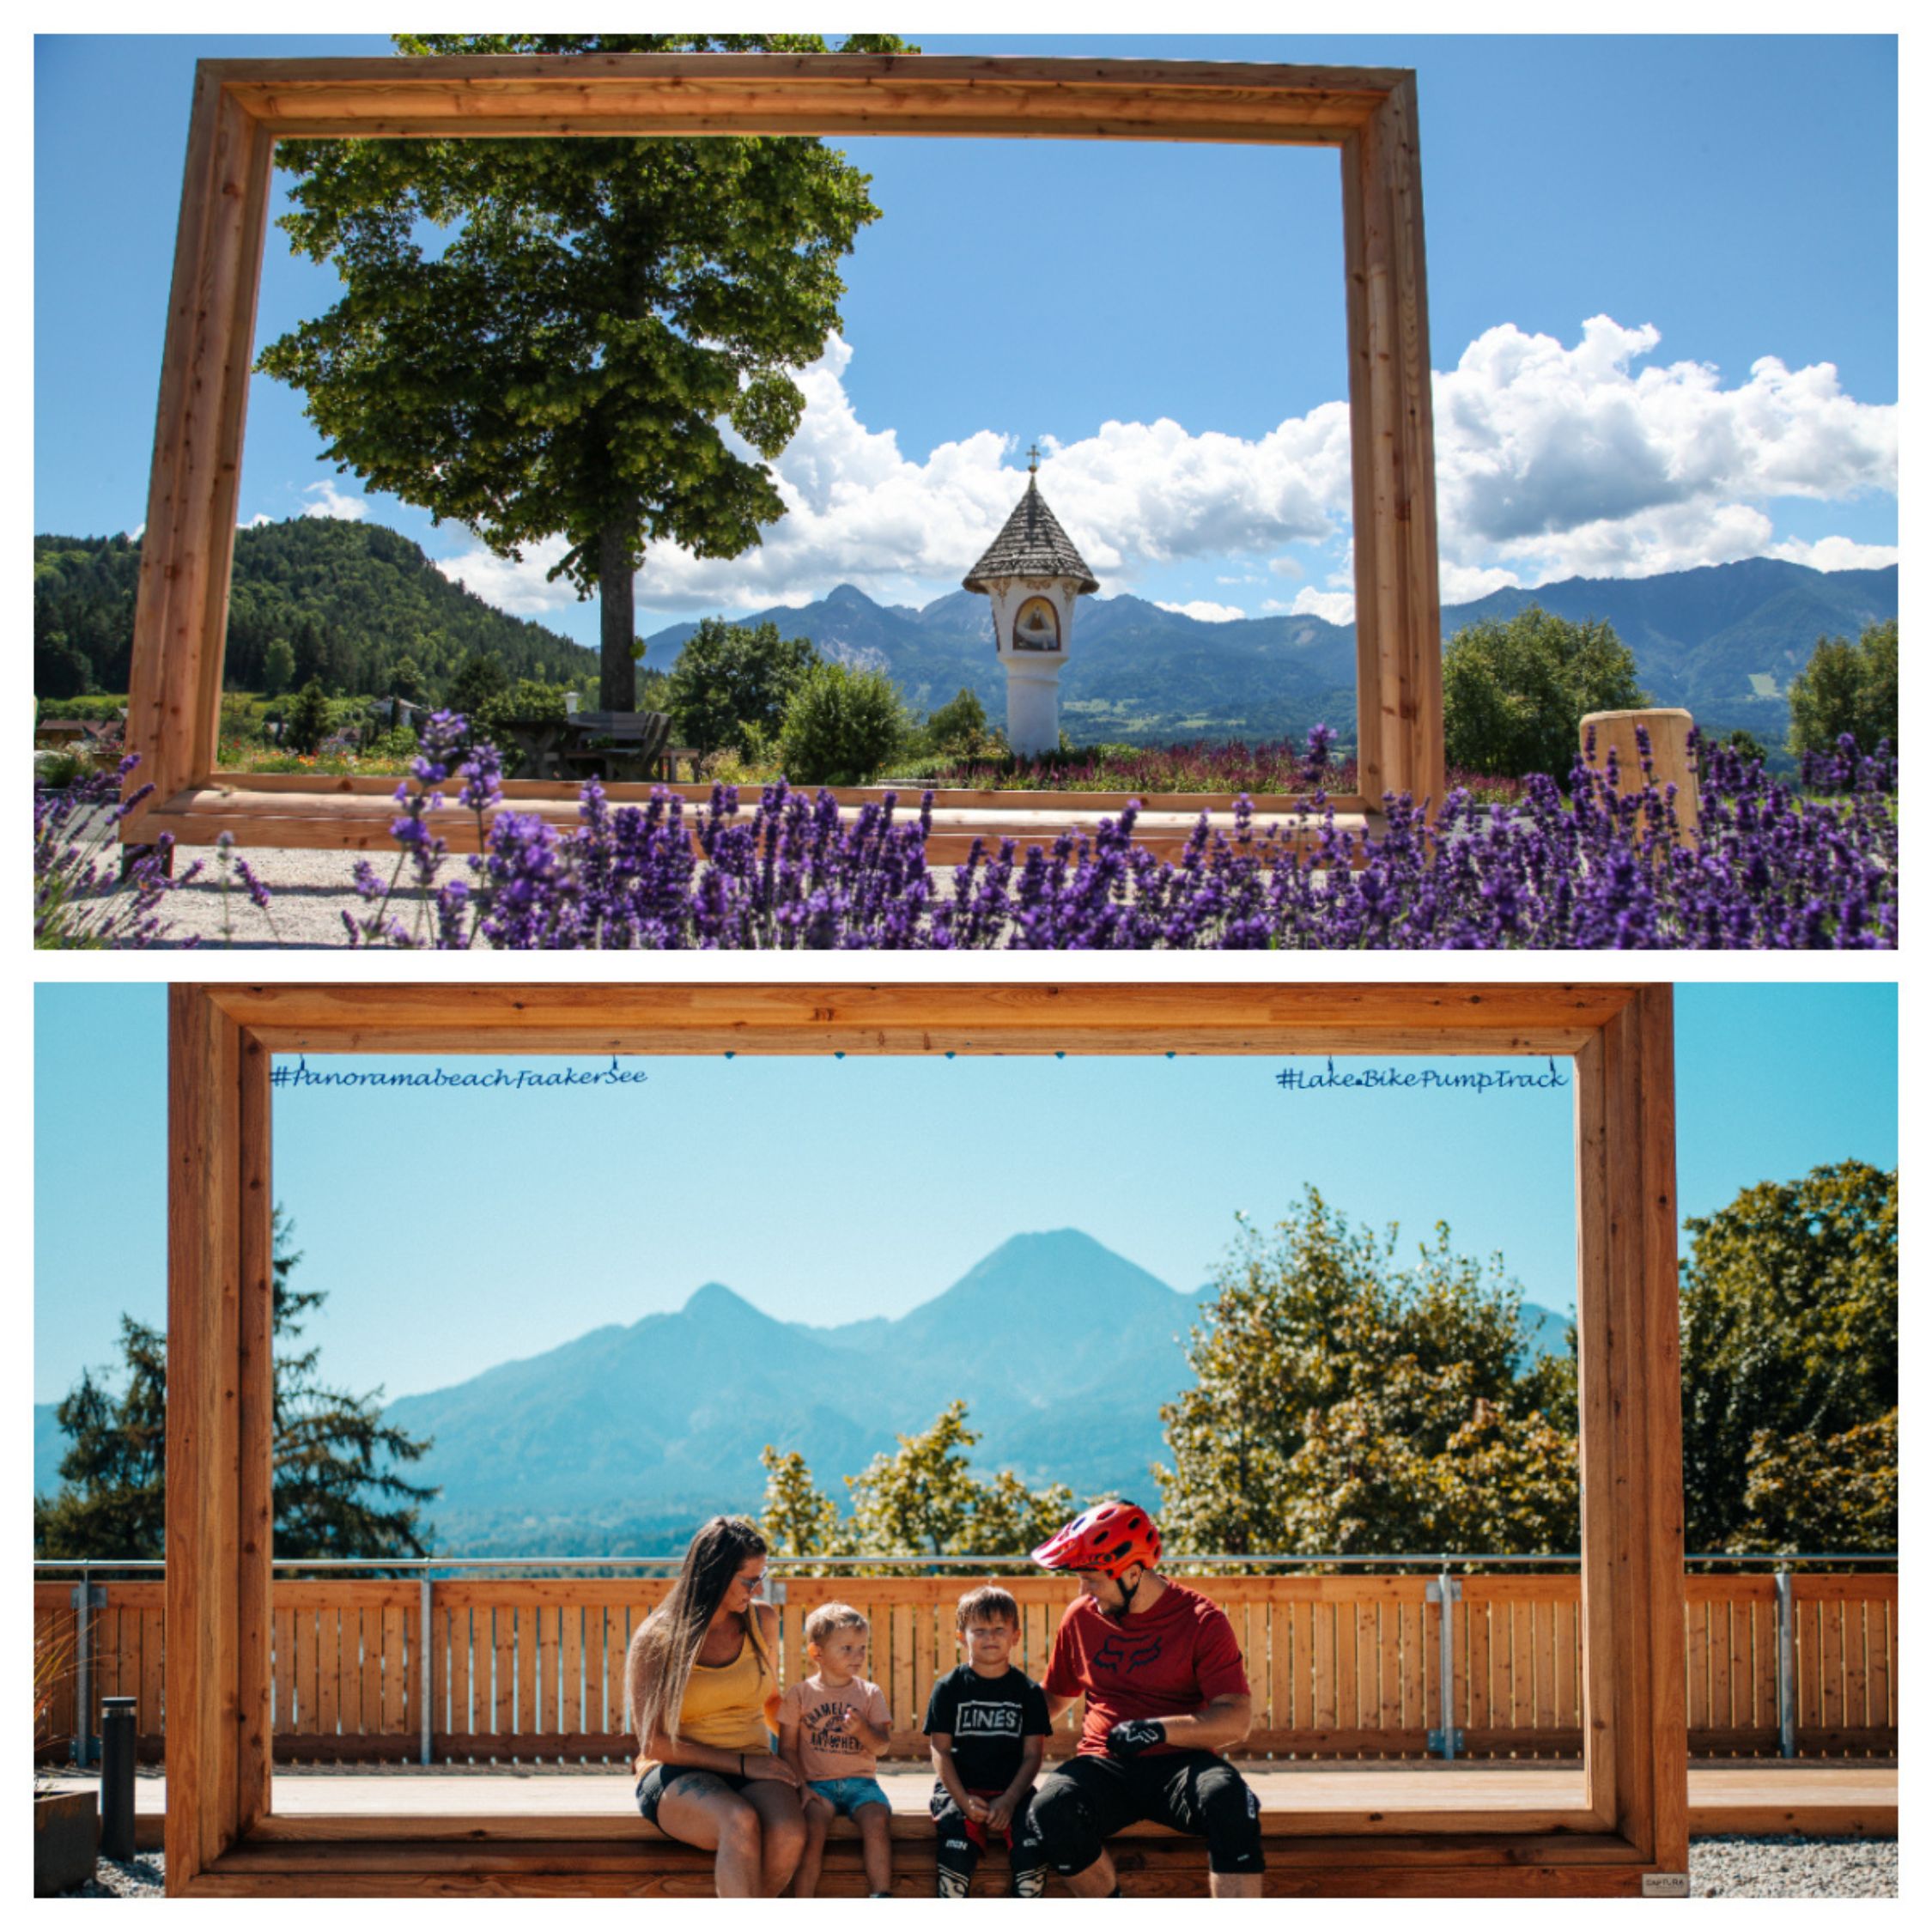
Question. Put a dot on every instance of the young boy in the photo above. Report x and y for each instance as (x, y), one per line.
(831, 1728)
(987, 1725)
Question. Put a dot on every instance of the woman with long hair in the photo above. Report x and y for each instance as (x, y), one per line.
(700, 1682)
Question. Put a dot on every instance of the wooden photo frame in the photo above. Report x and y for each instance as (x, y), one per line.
(241, 108)
(1627, 1832)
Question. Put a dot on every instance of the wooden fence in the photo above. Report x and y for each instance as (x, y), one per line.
(1345, 1666)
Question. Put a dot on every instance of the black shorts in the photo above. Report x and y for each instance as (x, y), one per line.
(655, 1782)
(1079, 1805)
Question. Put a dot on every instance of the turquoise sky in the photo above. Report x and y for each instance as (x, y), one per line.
(455, 1229)
(1636, 244)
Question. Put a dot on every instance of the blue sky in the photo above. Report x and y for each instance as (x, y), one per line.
(1663, 288)
(456, 1230)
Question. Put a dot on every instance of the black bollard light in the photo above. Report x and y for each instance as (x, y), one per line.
(117, 1778)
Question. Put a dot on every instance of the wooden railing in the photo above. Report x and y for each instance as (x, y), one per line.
(1346, 1666)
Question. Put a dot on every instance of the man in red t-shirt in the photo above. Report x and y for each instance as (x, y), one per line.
(1165, 1694)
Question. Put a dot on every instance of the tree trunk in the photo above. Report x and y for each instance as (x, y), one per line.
(616, 689)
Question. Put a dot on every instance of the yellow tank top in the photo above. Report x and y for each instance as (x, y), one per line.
(725, 1704)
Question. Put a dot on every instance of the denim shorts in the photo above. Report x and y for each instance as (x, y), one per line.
(846, 1794)
(655, 1782)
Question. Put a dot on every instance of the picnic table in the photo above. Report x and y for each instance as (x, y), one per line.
(611, 744)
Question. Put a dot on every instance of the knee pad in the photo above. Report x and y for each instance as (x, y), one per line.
(1231, 1821)
(1060, 1829)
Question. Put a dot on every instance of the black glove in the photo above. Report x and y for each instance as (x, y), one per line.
(1135, 1734)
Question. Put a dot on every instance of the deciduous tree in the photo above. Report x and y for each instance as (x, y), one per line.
(1791, 1360)
(1345, 1402)
(1515, 691)
(731, 684)
(605, 349)
(1847, 687)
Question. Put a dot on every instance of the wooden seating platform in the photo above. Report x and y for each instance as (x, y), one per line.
(448, 1831)
(300, 810)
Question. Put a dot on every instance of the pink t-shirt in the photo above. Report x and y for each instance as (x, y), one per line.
(824, 1749)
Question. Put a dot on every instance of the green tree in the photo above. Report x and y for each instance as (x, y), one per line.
(338, 1490)
(1848, 688)
(278, 667)
(1342, 1402)
(1823, 1492)
(479, 684)
(959, 726)
(1789, 1318)
(1515, 691)
(730, 680)
(605, 311)
(60, 671)
(407, 682)
(308, 719)
(923, 1499)
(842, 726)
(799, 1519)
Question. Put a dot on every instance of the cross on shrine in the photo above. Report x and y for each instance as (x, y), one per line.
(1032, 468)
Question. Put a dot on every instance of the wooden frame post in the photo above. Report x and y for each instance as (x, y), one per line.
(1367, 115)
(220, 1409)
(1630, 1819)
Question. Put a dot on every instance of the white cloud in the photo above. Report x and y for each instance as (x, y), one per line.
(256, 522)
(1337, 607)
(1203, 612)
(1553, 460)
(1835, 553)
(329, 501)
(1463, 583)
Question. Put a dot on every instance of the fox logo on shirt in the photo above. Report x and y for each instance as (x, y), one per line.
(1115, 1656)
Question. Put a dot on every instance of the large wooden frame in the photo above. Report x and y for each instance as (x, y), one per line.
(241, 108)
(1631, 1821)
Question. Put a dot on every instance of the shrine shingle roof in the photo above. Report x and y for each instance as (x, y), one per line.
(1032, 545)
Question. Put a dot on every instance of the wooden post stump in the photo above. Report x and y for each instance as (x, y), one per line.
(1669, 733)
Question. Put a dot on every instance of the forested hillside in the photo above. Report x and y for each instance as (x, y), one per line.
(349, 600)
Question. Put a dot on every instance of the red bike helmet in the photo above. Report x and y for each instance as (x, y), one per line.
(1110, 1537)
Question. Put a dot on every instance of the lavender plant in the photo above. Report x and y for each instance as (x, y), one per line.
(79, 903)
(1766, 866)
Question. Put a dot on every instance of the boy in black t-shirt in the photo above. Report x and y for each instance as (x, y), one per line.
(987, 1725)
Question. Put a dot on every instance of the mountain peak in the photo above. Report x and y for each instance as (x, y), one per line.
(848, 594)
(714, 1302)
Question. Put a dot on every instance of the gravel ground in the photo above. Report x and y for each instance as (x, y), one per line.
(1794, 1868)
(140, 1878)
(1720, 1868)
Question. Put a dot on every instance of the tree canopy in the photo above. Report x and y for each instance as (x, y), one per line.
(920, 1499)
(1514, 691)
(1848, 688)
(604, 348)
(337, 1491)
(730, 685)
(1790, 1365)
(1344, 1403)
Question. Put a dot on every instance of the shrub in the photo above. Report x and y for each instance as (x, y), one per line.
(840, 727)
(958, 729)
(729, 680)
(1514, 693)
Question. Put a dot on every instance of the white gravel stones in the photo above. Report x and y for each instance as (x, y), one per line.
(1794, 1868)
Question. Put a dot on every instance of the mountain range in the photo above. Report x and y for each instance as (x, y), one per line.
(618, 1440)
(1722, 641)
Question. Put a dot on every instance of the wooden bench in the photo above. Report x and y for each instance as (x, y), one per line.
(637, 739)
